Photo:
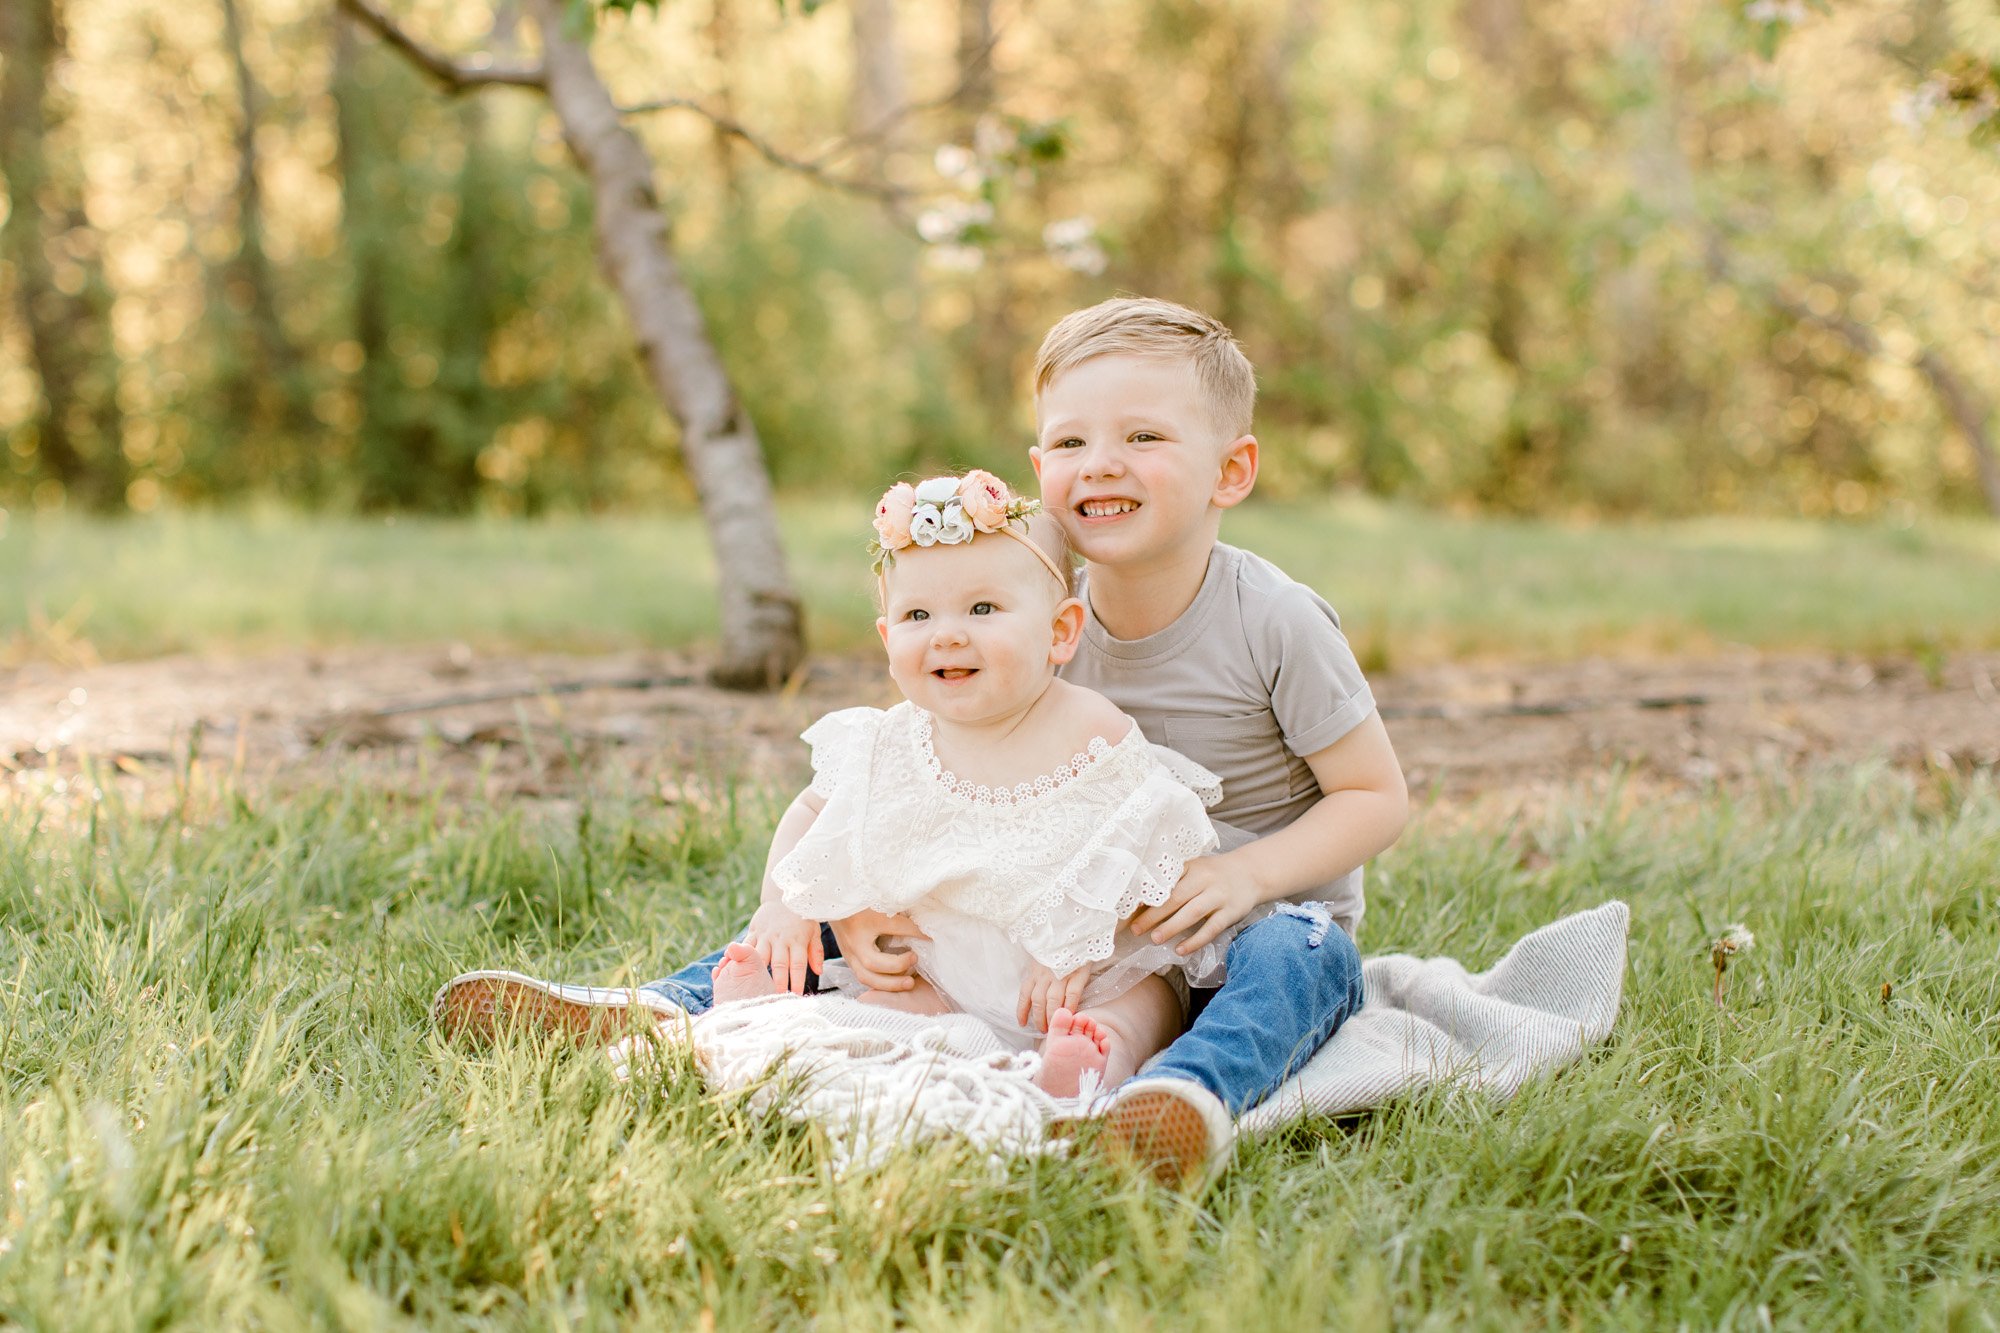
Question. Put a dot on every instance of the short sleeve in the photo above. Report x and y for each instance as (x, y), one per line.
(1318, 693)
(840, 744)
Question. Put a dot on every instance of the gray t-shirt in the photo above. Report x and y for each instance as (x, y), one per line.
(1251, 677)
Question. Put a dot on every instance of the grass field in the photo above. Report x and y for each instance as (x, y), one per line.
(1412, 586)
(223, 1106)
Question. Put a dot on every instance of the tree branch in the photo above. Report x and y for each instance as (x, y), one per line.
(452, 74)
(885, 191)
(1958, 399)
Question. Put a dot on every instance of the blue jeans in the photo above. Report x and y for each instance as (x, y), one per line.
(1293, 980)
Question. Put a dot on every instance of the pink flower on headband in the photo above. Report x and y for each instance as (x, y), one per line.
(985, 498)
(892, 515)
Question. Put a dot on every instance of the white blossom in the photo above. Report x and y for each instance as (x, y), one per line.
(1915, 108)
(955, 258)
(1067, 232)
(1775, 11)
(959, 165)
(951, 219)
(1086, 258)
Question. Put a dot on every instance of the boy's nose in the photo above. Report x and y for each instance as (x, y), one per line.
(1099, 464)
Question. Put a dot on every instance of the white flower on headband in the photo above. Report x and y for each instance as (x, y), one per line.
(950, 511)
(937, 514)
(955, 526)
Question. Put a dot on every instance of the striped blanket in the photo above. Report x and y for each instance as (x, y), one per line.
(878, 1080)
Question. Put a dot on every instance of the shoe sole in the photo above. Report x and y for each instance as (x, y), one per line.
(481, 1008)
(1159, 1134)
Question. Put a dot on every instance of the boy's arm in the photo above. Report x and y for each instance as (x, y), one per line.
(1362, 810)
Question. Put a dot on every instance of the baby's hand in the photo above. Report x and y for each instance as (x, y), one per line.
(788, 944)
(1212, 892)
(860, 938)
(1043, 992)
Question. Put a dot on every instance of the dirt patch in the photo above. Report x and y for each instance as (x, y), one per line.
(535, 726)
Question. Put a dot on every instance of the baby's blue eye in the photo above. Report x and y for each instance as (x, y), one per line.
(982, 608)
(919, 615)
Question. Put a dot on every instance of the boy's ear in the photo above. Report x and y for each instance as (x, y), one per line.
(1035, 460)
(1238, 473)
(1068, 627)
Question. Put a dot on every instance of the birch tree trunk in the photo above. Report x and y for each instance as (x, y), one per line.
(762, 635)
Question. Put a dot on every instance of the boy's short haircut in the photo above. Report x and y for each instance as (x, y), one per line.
(1145, 326)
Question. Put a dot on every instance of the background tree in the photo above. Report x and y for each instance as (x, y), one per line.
(54, 256)
(762, 627)
(1472, 246)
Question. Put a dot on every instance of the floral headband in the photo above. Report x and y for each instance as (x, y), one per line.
(948, 511)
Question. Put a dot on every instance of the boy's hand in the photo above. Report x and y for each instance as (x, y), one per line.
(861, 949)
(1214, 891)
(1043, 992)
(787, 943)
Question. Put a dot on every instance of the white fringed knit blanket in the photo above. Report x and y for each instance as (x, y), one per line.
(878, 1080)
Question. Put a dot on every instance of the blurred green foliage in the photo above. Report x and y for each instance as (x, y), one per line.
(1470, 246)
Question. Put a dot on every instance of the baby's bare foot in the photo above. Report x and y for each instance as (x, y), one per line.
(1076, 1043)
(740, 976)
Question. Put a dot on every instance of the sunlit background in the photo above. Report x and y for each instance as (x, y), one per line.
(1567, 258)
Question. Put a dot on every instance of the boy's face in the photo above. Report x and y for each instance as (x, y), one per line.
(1131, 463)
(974, 630)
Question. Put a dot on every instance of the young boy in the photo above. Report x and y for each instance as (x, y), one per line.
(1143, 440)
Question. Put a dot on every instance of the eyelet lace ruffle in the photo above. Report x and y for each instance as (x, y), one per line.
(1056, 874)
(1021, 792)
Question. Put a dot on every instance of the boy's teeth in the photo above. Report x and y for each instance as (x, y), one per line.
(1103, 508)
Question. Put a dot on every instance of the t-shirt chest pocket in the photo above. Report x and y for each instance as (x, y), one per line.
(1246, 752)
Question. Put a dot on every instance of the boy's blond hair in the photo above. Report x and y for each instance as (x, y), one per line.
(1144, 326)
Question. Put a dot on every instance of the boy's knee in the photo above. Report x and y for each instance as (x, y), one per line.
(1299, 937)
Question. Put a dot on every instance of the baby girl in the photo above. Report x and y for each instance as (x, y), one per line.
(1017, 819)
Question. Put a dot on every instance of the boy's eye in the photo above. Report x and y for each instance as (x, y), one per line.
(1144, 435)
(1071, 443)
(982, 608)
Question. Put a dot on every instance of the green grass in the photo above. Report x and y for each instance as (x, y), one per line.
(1413, 586)
(223, 1106)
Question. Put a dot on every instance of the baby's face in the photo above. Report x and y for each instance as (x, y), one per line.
(971, 629)
(1129, 459)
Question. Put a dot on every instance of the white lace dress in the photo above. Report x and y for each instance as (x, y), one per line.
(1046, 870)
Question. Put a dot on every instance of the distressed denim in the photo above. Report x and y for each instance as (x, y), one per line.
(1294, 978)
